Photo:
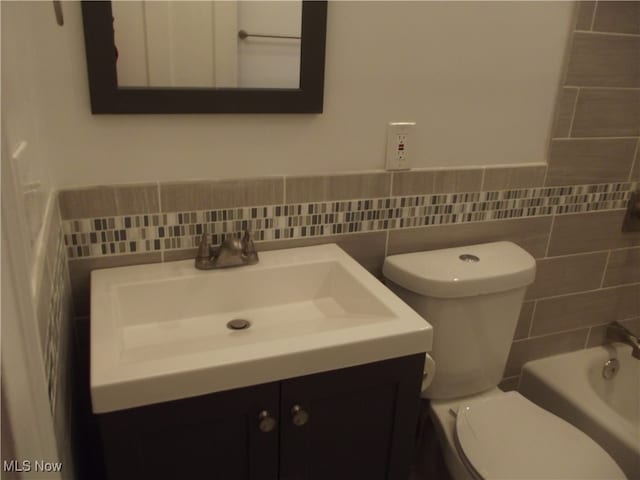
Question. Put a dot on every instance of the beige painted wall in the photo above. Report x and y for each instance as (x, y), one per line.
(479, 78)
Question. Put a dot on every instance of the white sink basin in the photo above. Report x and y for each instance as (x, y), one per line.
(159, 332)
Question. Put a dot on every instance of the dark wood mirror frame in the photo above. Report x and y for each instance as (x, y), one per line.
(107, 97)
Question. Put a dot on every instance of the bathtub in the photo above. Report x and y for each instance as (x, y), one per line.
(573, 387)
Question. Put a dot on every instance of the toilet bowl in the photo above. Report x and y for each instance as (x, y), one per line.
(472, 297)
(503, 435)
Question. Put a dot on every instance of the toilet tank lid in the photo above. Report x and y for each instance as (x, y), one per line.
(462, 271)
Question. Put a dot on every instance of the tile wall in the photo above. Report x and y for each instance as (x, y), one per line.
(591, 270)
(567, 214)
(54, 313)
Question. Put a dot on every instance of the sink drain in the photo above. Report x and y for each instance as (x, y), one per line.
(238, 324)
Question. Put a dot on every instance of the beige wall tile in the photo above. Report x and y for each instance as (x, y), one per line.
(564, 112)
(458, 180)
(598, 60)
(607, 113)
(585, 309)
(598, 334)
(524, 321)
(87, 202)
(575, 162)
(203, 195)
(620, 17)
(337, 187)
(80, 273)
(366, 248)
(584, 15)
(136, 199)
(560, 275)
(623, 267)
(413, 183)
(503, 178)
(530, 233)
(588, 232)
(523, 351)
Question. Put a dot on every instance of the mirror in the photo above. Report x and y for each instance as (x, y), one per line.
(205, 57)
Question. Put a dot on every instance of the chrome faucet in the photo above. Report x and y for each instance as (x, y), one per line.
(618, 333)
(233, 252)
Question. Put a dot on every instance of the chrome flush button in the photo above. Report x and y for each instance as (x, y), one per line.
(467, 257)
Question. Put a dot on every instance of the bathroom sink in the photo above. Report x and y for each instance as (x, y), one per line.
(160, 332)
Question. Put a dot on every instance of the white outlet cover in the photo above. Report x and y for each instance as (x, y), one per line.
(399, 141)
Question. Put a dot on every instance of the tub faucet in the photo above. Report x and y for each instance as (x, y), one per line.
(232, 252)
(618, 333)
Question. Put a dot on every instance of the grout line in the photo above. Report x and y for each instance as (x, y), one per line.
(634, 161)
(160, 212)
(573, 113)
(484, 174)
(553, 221)
(604, 272)
(593, 16)
(595, 87)
(611, 34)
(546, 168)
(586, 340)
(284, 190)
(391, 184)
(581, 292)
(619, 249)
(596, 138)
(559, 332)
(577, 254)
(533, 315)
(386, 244)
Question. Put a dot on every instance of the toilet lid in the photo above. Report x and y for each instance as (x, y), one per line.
(509, 437)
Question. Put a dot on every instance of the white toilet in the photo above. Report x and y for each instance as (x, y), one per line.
(472, 297)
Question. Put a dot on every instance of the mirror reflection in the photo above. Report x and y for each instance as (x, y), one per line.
(205, 44)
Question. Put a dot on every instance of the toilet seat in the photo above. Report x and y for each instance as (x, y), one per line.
(507, 436)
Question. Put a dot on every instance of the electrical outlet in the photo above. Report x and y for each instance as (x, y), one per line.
(398, 145)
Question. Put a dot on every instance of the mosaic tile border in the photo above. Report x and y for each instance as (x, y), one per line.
(55, 321)
(117, 235)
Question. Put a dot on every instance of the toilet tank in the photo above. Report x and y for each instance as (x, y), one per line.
(472, 297)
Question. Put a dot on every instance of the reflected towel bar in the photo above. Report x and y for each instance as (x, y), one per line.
(242, 34)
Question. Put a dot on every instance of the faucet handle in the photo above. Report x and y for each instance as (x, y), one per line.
(203, 247)
(249, 248)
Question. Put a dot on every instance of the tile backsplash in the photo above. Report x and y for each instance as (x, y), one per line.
(165, 231)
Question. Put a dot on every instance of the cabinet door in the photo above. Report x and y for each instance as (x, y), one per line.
(361, 422)
(213, 436)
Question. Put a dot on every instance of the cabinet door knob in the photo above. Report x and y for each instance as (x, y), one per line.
(266, 423)
(299, 416)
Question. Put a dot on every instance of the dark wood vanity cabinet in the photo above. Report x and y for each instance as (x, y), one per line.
(353, 423)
